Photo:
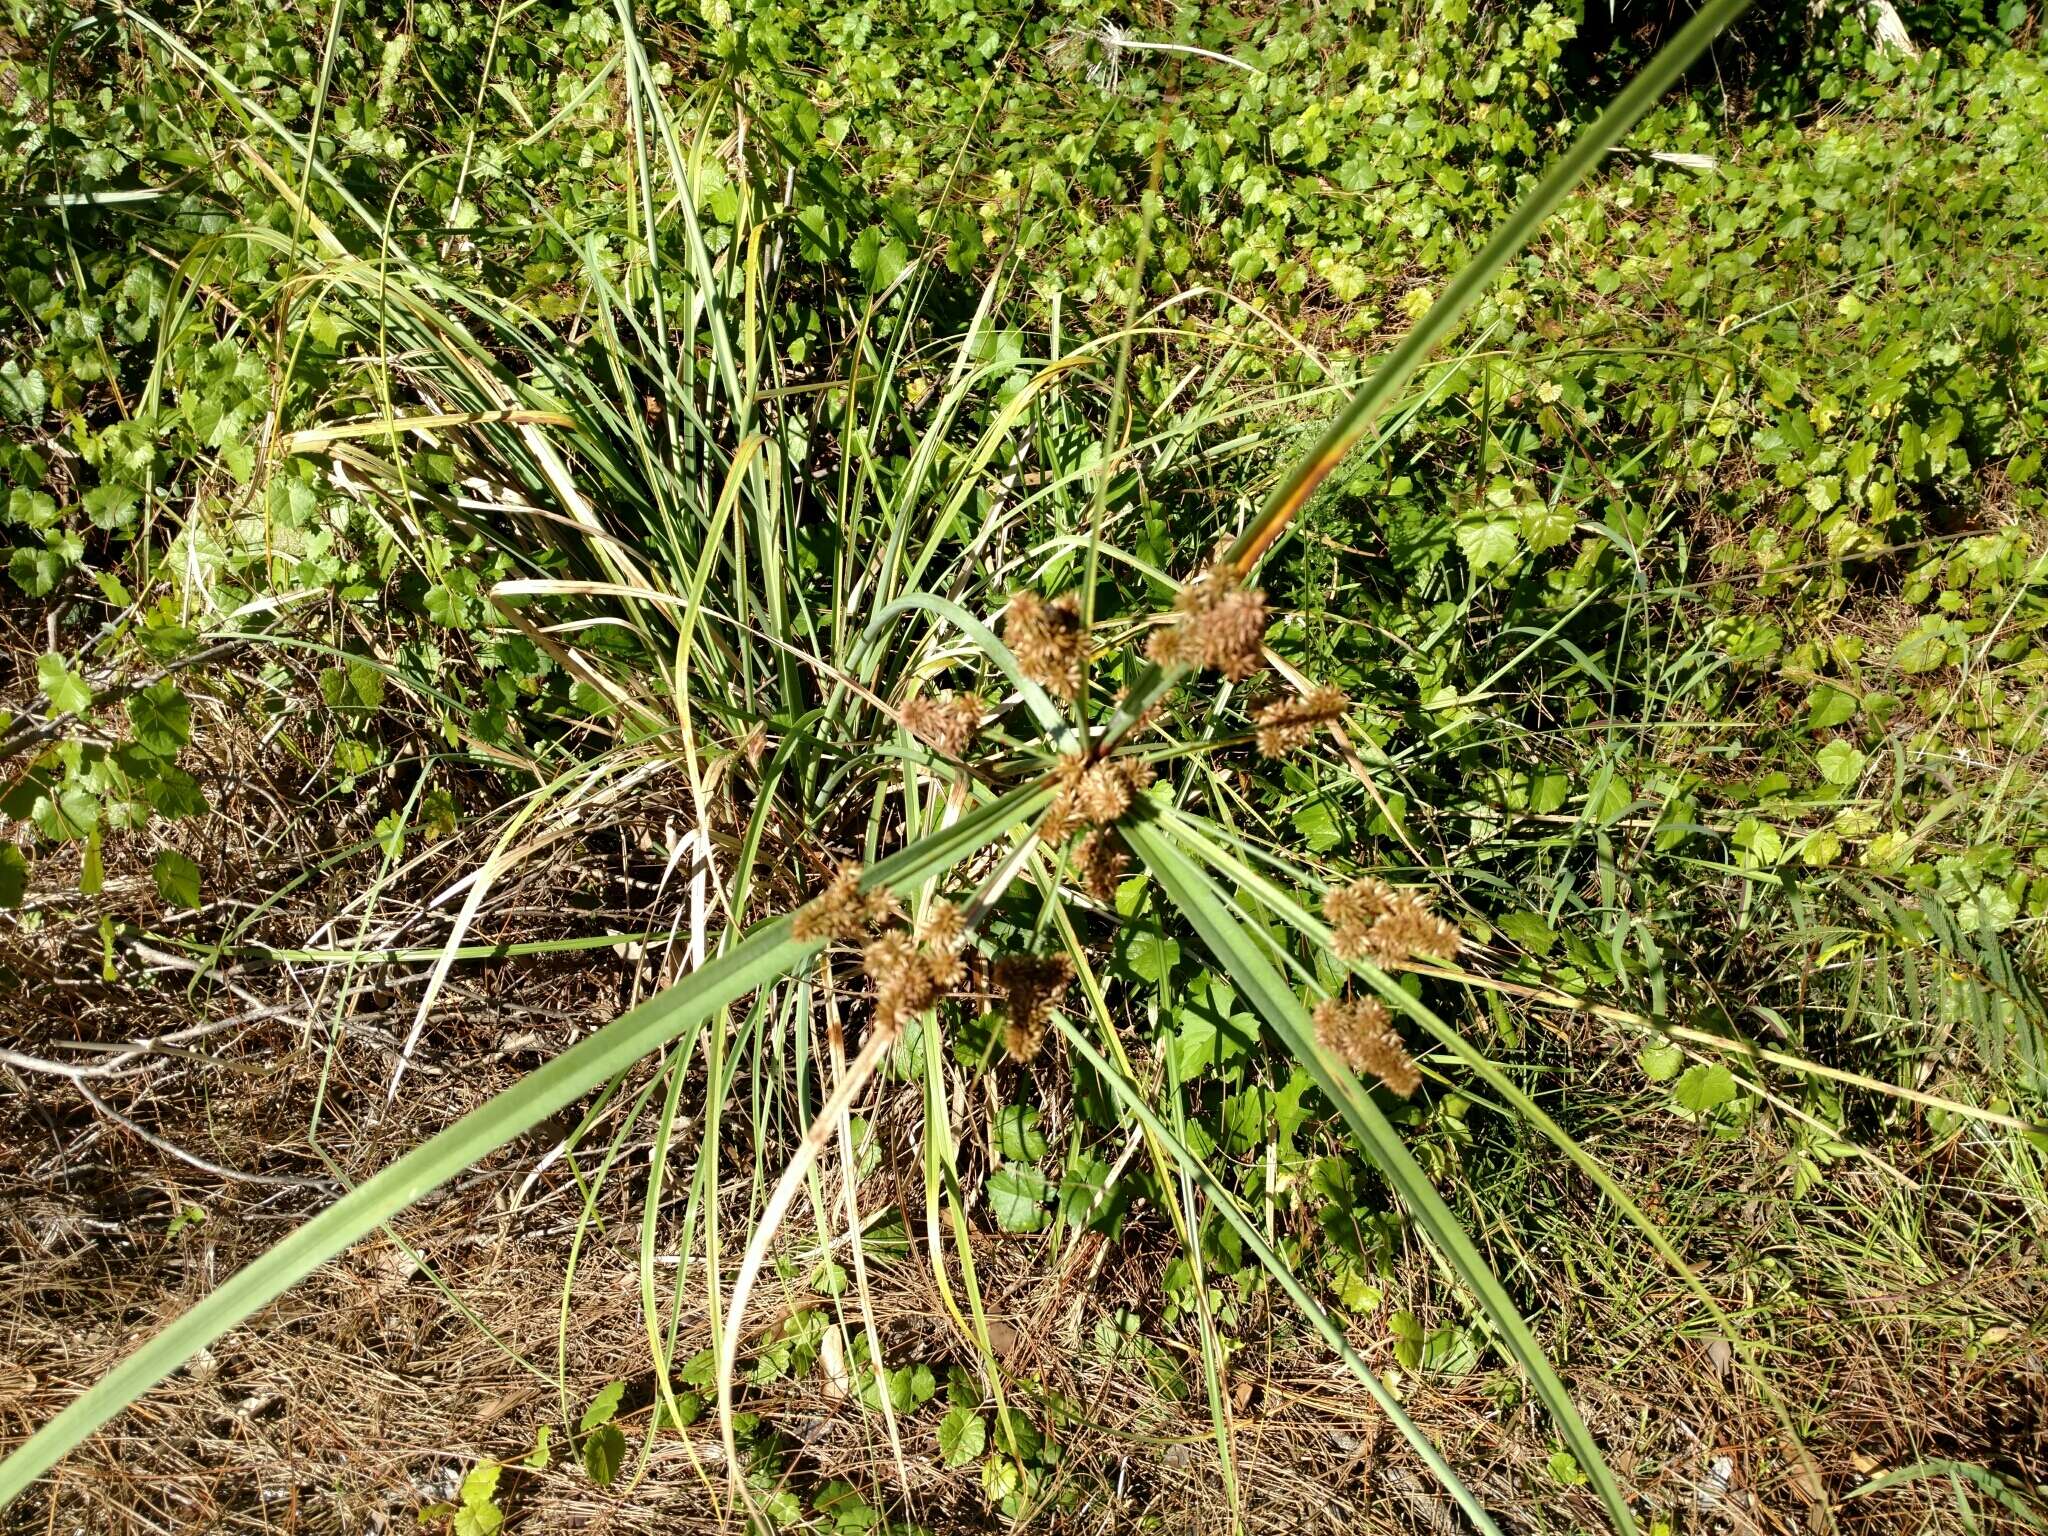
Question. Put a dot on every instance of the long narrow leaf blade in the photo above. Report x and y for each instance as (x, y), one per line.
(1608, 130)
(1192, 891)
(756, 961)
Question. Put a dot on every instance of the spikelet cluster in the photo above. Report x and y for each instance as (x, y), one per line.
(1291, 723)
(1047, 640)
(1093, 794)
(910, 972)
(1100, 861)
(1218, 624)
(945, 722)
(842, 910)
(1360, 1031)
(1032, 988)
(1371, 920)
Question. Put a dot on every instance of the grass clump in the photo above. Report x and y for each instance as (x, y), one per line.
(887, 1039)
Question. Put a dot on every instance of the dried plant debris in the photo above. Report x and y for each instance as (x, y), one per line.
(1360, 1031)
(1291, 723)
(753, 745)
(1218, 624)
(1048, 641)
(1372, 920)
(1032, 987)
(842, 910)
(911, 972)
(945, 722)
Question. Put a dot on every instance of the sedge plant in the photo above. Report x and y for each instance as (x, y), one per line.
(883, 730)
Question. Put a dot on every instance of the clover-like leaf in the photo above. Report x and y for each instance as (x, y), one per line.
(963, 1436)
(1704, 1089)
(1017, 1198)
(161, 718)
(177, 879)
(64, 688)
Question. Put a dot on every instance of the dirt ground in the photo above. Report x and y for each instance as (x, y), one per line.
(1901, 1315)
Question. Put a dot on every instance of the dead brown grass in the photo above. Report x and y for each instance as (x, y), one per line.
(364, 1395)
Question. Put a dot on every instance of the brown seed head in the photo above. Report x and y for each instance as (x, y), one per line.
(1047, 640)
(909, 973)
(943, 931)
(1103, 793)
(1362, 1034)
(1290, 723)
(1370, 920)
(1063, 815)
(1100, 861)
(1411, 930)
(945, 723)
(1093, 794)
(1234, 635)
(903, 987)
(1352, 910)
(1032, 987)
(1168, 646)
(1218, 624)
(842, 910)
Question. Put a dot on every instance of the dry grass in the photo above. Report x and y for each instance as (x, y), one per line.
(1900, 1325)
(362, 1396)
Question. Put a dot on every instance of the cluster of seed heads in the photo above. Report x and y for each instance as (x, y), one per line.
(1218, 623)
(1095, 795)
(1371, 920)
(1032, 987)
(1048, 641)
(944, 722)
(1290, 723)
(842, 910)
(1359, 1031)
(910, 972)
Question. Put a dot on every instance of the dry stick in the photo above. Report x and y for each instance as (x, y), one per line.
(793, 1176)
(849, 1184)
(124, 1052)
(258, 1008)
(29, 732)
(171, 1149)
